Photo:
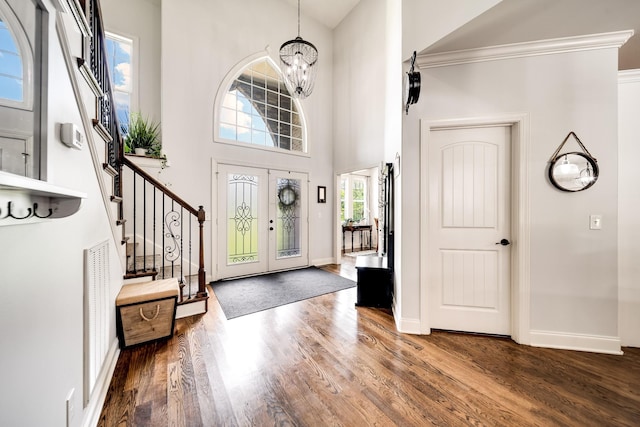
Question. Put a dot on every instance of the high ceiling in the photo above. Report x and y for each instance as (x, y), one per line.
(513, 21)
(327, 12)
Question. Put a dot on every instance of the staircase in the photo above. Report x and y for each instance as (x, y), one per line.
(161, 234)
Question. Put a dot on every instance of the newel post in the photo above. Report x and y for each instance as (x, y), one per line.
(202, 292)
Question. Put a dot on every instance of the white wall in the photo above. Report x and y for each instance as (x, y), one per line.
(41, 275)
(139, 20)
(629, 207)
(359, 88)
(202, 41)
(573, 269)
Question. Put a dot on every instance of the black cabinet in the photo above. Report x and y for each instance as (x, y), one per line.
(375, 282)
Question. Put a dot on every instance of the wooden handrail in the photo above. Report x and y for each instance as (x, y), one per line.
(157, 184)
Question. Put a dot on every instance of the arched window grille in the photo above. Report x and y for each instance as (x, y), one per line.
(257, 108)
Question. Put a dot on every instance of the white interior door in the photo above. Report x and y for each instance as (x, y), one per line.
(262, 221)
(469, 206)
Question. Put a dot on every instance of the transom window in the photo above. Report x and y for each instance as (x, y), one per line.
(258, 109)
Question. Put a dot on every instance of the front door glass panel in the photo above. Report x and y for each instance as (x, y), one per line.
(288, 218)
(242, 219)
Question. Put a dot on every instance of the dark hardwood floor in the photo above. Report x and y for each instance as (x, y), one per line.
(325, 362)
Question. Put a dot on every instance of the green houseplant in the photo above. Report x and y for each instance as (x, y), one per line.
(143, 136)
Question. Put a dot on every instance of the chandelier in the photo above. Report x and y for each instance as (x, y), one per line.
(300, 63)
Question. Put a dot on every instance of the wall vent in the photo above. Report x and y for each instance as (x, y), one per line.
(96, 313)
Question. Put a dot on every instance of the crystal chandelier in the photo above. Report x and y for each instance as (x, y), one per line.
(300, 63)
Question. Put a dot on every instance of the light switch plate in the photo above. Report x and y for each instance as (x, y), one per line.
(595, 222)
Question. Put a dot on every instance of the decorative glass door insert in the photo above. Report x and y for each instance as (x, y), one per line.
(242, 218)
(288, 218)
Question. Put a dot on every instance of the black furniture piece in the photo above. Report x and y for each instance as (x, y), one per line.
(375, 273)
(375, 282)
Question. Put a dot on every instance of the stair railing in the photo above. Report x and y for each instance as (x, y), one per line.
(155, 199)
(163, 229)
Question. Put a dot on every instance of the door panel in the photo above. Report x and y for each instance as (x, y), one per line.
(469, 279)
(262, 221)
(288, 211)
(242, 211)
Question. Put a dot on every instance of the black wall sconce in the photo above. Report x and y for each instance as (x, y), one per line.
(322, 194)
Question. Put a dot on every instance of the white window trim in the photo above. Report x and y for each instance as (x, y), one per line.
(27, 60)
(222, 91)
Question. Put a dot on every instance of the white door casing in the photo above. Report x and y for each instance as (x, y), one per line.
(468, 214)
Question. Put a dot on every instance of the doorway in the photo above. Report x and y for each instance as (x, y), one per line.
(262, 220)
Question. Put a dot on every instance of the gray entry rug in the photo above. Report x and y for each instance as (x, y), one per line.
(240, 297)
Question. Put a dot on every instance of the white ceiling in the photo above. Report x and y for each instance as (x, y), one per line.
(328, 12)
(514, 21)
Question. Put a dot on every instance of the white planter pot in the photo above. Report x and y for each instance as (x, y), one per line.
(140, 151)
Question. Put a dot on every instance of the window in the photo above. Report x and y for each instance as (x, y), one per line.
(12, 79)
(354, 203)
(119, 53)
(22, 33)
(258, 109)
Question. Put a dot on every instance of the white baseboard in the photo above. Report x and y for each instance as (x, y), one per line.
(579, 342)
(96, 402)
(192, 309)
(323, 261)
(407, 326)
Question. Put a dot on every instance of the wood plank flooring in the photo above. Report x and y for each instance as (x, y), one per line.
(324, 362)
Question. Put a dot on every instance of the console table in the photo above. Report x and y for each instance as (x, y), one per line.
(352, 229)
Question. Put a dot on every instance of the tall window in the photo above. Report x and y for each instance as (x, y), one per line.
(22, 43)
(119, 59)
(12, 81)
(354, 201)
(258, 109)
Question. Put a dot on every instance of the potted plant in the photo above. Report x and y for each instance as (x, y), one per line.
(143, 136)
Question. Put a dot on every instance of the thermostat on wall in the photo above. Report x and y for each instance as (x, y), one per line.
(71, 135)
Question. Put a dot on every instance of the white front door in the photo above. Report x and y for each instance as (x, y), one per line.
(262, 221)
(469, 215)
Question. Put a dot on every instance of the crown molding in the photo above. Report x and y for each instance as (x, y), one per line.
(628, 76)
(525, 49)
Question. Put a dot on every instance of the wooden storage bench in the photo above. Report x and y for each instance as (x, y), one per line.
(146, 311)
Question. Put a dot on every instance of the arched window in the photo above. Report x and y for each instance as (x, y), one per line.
(20, 78)
(257, 108)
(16, 66)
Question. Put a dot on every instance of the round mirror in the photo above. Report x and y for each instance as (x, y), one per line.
(573, 171)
